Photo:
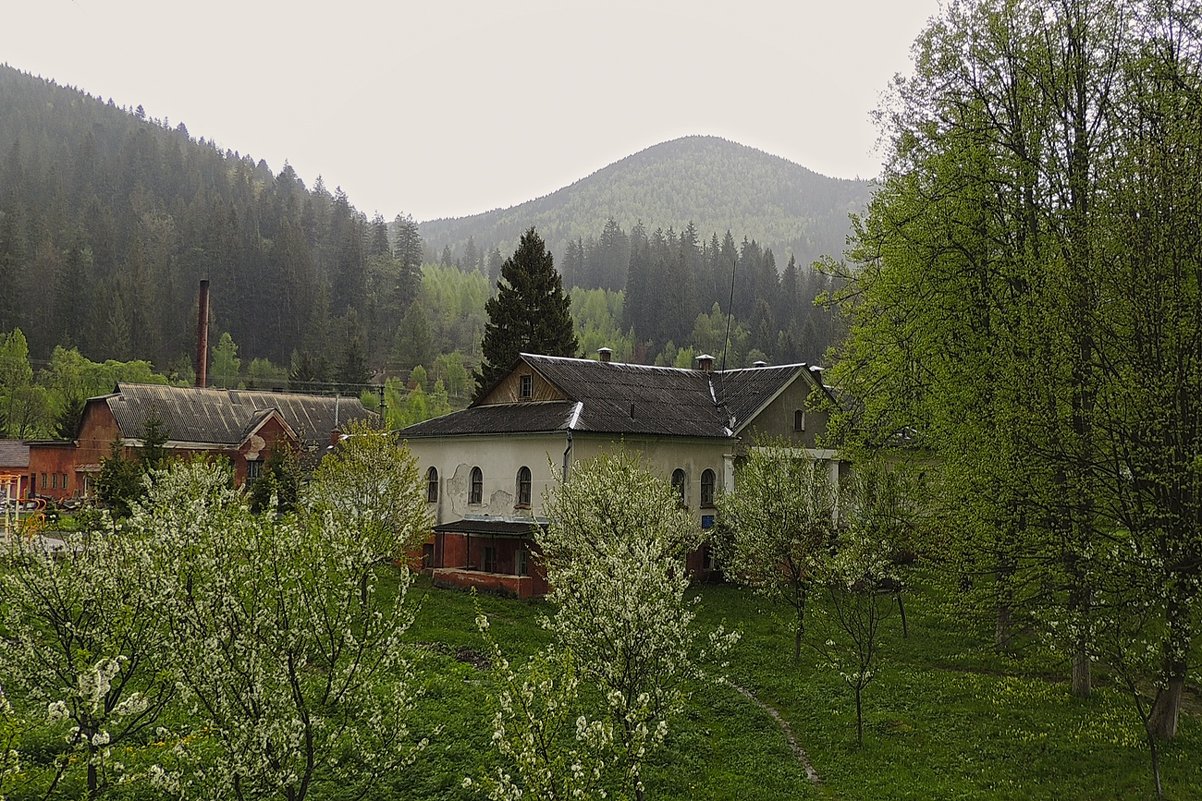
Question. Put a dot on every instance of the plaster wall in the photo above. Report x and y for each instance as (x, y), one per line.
(776, 421)
(500, 457)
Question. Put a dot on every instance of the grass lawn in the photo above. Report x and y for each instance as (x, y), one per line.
(945, 718)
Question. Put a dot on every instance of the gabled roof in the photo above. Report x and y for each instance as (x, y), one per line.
(227, 416)
(626, 399)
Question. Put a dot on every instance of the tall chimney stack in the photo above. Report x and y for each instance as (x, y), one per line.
(202, 336)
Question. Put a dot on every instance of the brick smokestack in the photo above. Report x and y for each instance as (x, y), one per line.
(202, 336)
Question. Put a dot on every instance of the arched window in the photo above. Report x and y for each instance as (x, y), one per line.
(799, 420)
(432, 485)
(476, 493)
(707, 489)
(524, 487)
(678, 484)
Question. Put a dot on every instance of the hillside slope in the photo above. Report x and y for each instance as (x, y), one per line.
(717, 184)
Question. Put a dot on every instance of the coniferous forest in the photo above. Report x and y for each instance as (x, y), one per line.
(109, 220)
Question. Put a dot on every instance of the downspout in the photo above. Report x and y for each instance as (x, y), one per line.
(572, 423)
(567, 456)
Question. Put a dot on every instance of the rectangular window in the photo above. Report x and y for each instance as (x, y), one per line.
(63, 481)
(490, 559)
(522, 568)
(54, 481)
(526, 384)
(254, 469)
(45, 483)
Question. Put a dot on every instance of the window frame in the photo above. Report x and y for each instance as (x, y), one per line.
(799, 420)
(525, 482)
(708, 488)
(432, 484)
(680, 483)
(526, 386)
(475, 487)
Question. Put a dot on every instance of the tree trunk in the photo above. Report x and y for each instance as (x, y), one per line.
(859, 716)
(901, 607)
(1154, 747)
(797, 642)
(1082, 684)
(93, 776)
(1002, 632)
(1162, 722)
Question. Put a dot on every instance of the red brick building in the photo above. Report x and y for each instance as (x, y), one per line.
(240, 425)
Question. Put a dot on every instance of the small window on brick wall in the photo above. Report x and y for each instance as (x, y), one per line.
(254, 469)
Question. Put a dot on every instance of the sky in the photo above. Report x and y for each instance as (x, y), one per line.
(446, 108)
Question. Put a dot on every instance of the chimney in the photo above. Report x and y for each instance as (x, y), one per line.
(705, 362)
(605, 353)
(758, 363)
(202, 336)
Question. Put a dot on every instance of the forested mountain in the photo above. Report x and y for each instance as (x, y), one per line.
(109, 220)
(713, 183)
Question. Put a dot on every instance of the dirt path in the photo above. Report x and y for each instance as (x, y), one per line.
(797, 750)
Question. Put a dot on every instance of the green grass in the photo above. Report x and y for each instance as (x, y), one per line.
(945, 719)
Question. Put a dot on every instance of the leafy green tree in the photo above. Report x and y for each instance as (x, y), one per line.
(280, 479)
(120, 481)
(225, 367)
(778, 526)
(614, 553)
(283, 640)
(414, 344)
(84, 638)
(530, 312)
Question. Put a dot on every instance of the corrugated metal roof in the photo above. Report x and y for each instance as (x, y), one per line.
(226, 416)
(618, 398)
(13, 453)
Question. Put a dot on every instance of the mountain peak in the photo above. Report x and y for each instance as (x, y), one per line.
(715, 183)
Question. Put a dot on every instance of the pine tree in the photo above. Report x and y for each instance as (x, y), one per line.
(530, 312)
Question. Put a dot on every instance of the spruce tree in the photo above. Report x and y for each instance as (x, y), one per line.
(530, 313)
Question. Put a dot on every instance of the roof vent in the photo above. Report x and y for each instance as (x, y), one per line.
(758, 363)
(605, 353)
(705, 362)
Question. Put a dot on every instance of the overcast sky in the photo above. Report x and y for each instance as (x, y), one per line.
(452, 107)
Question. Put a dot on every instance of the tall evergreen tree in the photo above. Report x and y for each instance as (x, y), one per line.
(530, 312)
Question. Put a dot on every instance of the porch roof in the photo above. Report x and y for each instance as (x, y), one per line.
(495, 528)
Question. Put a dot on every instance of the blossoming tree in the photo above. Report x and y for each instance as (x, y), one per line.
(614, 554)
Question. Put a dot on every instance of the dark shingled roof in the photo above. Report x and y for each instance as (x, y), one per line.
(618, 398)
(496, 528)
(510, 419)
(227, 416)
